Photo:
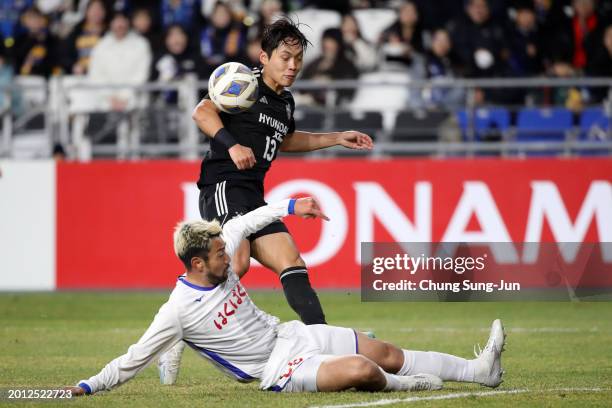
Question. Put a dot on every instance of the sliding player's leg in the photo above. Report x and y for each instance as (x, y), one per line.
(278, 252)
(326, 373)
(485, 369)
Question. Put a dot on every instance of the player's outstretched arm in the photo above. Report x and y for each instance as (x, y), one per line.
(164, 332)
(299, 141)
(206, 116)
(238, 228)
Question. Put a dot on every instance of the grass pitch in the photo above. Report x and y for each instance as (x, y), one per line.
(558, 354)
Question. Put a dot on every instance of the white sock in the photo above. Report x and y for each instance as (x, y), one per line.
(393, 383)
(445, 366)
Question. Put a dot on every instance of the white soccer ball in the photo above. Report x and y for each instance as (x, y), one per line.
(232, 87)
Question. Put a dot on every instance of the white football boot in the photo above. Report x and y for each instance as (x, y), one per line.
(420, 382)
(170, 363)
(489, 371)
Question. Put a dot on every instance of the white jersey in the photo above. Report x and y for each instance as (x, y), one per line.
(221, 322)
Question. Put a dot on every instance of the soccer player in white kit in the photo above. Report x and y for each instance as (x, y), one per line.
(212, 313)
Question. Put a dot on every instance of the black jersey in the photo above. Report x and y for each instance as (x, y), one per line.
(262, 128)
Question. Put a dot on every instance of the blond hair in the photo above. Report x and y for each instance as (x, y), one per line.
(193, 238)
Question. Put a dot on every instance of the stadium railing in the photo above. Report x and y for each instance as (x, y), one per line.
(405, 117)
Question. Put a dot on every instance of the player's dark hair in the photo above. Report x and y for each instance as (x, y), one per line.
(282, 31)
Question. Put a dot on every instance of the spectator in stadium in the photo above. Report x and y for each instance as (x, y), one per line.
(439, 66)
(523, 38)
(570, 97)
(121, 57)
(601, 64)
(250, 55)
(77, 47)
(58, 153)
(402, 38)
(478, 40)
(361, 52)
(586, 30)
(185, 13)
(35, 51)
(144, 24)
(268, 10)
(176, 61)
(221, 39)
(436, 14)
(332, 64)
(10, 20)
(554, 31)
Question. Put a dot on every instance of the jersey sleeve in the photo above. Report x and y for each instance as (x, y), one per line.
(237, 229)
(164, 332)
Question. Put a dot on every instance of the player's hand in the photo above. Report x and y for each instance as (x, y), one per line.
(308, 208)
(355, 140)
(75, 391)
(242, 156)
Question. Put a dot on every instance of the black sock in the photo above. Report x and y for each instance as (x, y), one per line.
(300, 295)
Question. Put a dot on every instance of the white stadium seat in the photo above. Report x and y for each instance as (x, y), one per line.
(372, 22)
(316, 22)
(389, 97)
(33, 90)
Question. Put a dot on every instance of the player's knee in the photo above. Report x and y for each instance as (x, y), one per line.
(290, 261)
(296, 260)
(391, 357)
(362, 371)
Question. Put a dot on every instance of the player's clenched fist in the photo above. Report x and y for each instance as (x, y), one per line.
(242, 156)
(308, 208)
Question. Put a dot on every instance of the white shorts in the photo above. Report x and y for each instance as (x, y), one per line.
(324, 341)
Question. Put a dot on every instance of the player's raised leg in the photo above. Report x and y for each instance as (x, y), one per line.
(485, 369)
(279, 253)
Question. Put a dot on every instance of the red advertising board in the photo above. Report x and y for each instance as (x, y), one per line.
(115, 219)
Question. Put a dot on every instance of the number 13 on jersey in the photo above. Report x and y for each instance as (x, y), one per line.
(271, 145)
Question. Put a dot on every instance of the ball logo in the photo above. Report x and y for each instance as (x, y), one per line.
(233, 87)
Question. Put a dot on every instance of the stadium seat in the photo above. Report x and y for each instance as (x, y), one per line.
(366, 122)
(541, 125)
(372, 22)
(418, 126)
(594, 124)
(317, 21)
(485, 121)
(309, 120)
(33, 89)
(594, 127)
(33, 100)
(389, 96)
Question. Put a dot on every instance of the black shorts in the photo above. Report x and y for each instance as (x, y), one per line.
(228, 199)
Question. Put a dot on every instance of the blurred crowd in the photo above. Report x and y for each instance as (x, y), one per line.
(133, 41)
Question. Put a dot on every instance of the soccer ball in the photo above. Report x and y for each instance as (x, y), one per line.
(232, 87)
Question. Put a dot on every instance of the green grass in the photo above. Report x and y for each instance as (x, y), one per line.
(56, 339)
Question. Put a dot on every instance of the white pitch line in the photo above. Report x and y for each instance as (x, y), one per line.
(458, 395)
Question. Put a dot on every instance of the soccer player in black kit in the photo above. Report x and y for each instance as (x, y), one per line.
(243, 147)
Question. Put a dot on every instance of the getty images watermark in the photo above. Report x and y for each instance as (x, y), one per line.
(485, 271)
